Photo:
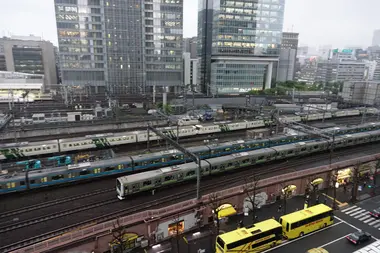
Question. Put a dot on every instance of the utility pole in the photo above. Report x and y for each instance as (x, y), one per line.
(355, 184)
(194, 157)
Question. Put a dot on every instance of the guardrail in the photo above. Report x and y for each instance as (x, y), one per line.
(88, 232)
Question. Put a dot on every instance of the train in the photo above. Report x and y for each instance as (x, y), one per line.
(14, 151)
(37, 178)
(151, 180)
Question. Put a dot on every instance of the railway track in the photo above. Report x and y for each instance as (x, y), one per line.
(52, 203)
(139, 203)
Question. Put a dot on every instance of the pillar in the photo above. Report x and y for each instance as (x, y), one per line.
(268, 80)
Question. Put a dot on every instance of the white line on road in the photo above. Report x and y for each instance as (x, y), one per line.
(353, 210)
(349, 224)
(377, 225)
(365, 217)
(366, 221)
(299, 238)
(324, 245)
(374, 222)
(348, 208)
(361, 211)
(360, 215)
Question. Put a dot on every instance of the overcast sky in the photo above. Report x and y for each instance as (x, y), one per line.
(319, 22)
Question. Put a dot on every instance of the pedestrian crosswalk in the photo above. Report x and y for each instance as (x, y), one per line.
(362, 215)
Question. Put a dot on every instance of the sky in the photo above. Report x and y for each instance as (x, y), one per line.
(338, 23)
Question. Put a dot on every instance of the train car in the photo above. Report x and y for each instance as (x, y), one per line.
(354, 112)
(24, 149)
(121, 139)
(158, 178)
(142, 136)
(255, 124)
(207, 129)
(157, 159)
(184, 131)
(66, 174)
(235, 126)
(83, 143)
(289, 118)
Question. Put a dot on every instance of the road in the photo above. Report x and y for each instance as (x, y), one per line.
(347, 220)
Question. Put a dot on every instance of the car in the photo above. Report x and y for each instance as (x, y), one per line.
(375, 213)
(317, 250)
(358, 237)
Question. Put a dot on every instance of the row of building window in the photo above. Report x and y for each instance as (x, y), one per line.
(249, 4)
(163, 52)
(77, 65)
(163, 66)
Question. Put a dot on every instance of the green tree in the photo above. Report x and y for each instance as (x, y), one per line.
(168, 109)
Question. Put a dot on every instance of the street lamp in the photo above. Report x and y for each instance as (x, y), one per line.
(335, 186)
(315, 184)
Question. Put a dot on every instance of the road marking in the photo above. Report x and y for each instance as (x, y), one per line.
(299, 238)
(353, 210)
(366, 221)
(355, 213)
(333, 199)
(365, 217)
(348, 208)
(360, 215)
(377, 225)
(374, 222)
(349, 224)
(324, 245)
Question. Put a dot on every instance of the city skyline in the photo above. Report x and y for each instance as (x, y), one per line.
(339, 26)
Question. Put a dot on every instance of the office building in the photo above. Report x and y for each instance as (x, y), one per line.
(30, 55)
(362, 92)
(239, 44)
(340, 70)
(190, 46)
(288, 54)
(120, 46)
(376, 38)
(190, 71)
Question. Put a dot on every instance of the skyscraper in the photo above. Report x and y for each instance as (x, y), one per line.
(288, 54)
(120, 46)
(376, 38)
(239, 44)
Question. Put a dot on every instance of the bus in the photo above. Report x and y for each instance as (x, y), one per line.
(256, 238)
(306, 221)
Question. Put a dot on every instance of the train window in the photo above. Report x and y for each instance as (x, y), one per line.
(84, 172)
(57, 177)
(147, 183)
(168, 178)
(43, 148)
(70, 175)
(260, 157)
(43, 179)
(11, 185)
(64, 145)
(290, 152)
(303, 149)
(135, 187)
(32, 181)
(97, 170)
(108, 169)
(214, 168)
(70, 145)
(54, 146)
(157, 181)
(22, 182)
(316, 147)
(1, 187)
(229, 164)
(245, 161)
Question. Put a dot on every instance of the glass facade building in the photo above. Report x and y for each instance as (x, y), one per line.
(121, 46)
(245, 37)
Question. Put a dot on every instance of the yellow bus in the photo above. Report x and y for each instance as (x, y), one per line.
(306, 221)
(256, 238)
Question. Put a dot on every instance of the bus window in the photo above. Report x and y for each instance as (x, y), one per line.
(287, 227)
